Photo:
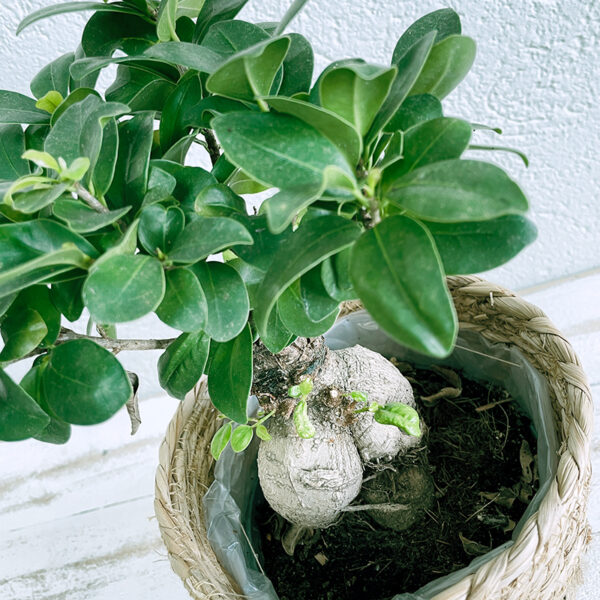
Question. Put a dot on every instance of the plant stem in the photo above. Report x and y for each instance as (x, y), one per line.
(92, 202)
(213, 148)
(66, 335)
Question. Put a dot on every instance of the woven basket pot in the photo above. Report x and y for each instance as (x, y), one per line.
(543, 561)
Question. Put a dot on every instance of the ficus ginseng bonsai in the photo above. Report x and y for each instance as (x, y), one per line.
(373, 202)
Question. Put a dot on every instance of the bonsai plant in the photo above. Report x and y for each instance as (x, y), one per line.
(369, 200)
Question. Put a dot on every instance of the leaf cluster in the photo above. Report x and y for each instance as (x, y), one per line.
(371, 199)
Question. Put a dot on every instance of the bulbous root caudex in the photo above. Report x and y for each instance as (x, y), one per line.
(311, 482)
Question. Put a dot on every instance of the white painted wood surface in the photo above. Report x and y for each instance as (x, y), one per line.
(77, 523)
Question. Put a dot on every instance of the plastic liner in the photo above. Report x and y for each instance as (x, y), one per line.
(229, 502)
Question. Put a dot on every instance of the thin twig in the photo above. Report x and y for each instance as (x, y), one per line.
(66, 335)
(381, 507)
(92, 202)
(213, 147)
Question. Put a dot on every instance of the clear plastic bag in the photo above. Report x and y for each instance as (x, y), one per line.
(229, 502)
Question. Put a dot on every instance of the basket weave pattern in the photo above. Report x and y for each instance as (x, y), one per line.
(543, 562)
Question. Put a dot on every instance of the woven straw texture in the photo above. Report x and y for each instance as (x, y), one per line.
(542, 564)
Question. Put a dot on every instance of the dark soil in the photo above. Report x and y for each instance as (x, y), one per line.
(484, 476)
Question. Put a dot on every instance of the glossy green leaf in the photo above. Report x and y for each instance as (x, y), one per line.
(182, 364)
(458, 190)
(409, 68)
(187, 55)
(106, 32)
(214, 11)
(50, 102)
(294, 315)
(310, 244)
(249, 74)
(335, 274)
(68, 7)
(334, 127)
(230, 375)
(445, 22)
(219, 200)
(276, 336)
(356, 92)
(160, 227)
(12, 147)
(102, 170)
(66, 296)
(318, 304)
(304, 428)
(226, 297)
(5, 303)
(474, 247)
(429, 142)
(35, 251)
(241, 437)
(447, 65)
(74, 97)
(22, 329)
(165, 21)
(131, 174)
(184, 305)
(142, 85)
(84, 384)
(398, 275)
(37, 298)
(83, 219)
(208, 235)
(20, 415)
(415, 110)
(16, 109)
(227, 38)
(53, 77)
(33, 200)
(298, 66)
(263, 433)
(160, 186)
(124, 288)
(402, 416)
(220, 440)
(277, 150)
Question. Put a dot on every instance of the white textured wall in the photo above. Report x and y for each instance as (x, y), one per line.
(537, 76)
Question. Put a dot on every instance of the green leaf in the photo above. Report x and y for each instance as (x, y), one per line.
(20, 415)
(356, 92)
(474, 247)
(214, 11)
(304, 427)
(249, 75)
(409, 67)
(219, 200)
(165, 21)
(335, 128)
(445, 22)
(160, 227)
(277, 336)
(404, 417)
(106, 32)
(298, 66)
(66, 296)
(130, 182)
(33, 200)
(226, 297)
(76, 170)
(263, 433)
(458, 190)
(73, 98)
(37, 298)
(514, 151)
(12, 147)
(309, 245)
(50, 102)
(189, 8)
(227, 38)
(16, 109)
(415, 110)
(230, 376)
(160, 186)
(22, 331)
(5, 303)
(241, 437)
(184, 305)
(318, 304)
(294, 316)
(35, 251)
(88, 82)
(208, 235)
(182, 364)
(103, 170)
(335, 274)
(187, 55)
(124, 288)
(68, 7)
(83, 219)
(406, 294)
(447, 65)
(277, 150)
(84, 384)
(53, 77)
(142, 85)
(429, 142)
(220, 440)
(42, 159)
